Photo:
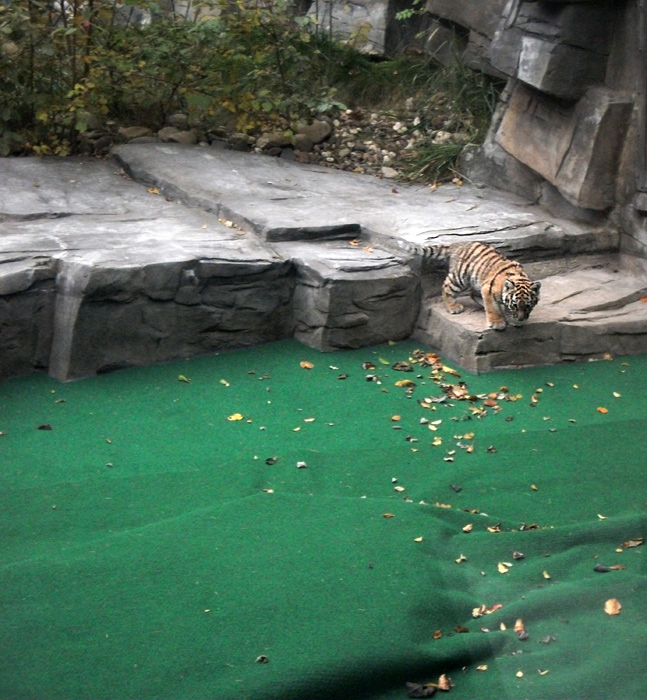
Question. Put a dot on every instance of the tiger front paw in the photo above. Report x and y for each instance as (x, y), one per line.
(455, 308)
(497, 325)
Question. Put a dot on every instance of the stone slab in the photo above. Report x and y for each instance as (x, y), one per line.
(585, 140)
(169, 252)
(280, 200)
(583, 313)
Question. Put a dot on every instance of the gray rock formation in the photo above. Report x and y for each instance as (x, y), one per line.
(197, 250)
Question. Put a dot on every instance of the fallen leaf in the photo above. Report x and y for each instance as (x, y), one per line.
(636, 542)
(519, 674)
(602, 409)
(600, 568)
(402, 366)
(602, 517)
(396, 418)
(612, 606)
(368, 365)
(545, 574)
(182, 378)
(416, 690)
(461, 630)
(45, 426)
(437, 634)
(388, 515)
(153, 190)
(418, 539)
(268, 490)
(445, 682)
(461, 559)
(405, 383)
(518, 555)
(262, 659)
(235, 416)
(520, 630)
(617, 395)
(468, 528)
(534, 487)
(503, 569)
(482, 667)
(271, 460)
(304, 364)
(543, 671)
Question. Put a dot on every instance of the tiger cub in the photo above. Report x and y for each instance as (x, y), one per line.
(503, 284)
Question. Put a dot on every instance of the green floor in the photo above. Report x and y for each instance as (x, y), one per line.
(149, 550)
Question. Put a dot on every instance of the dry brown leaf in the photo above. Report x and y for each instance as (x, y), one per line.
(437, 634)
(304, 364)
(445, 682)
(634, 542)
(612, 606)
(602, 409)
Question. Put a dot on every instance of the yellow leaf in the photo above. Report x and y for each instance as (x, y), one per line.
(304, 364)
(182, 378)
(224, 382)
(612, 606)
(383, 361)
(235, 416)
(418, 539)
(405, 382)
(503, 569)
(482, 667)
(545, 574)
(602, 409)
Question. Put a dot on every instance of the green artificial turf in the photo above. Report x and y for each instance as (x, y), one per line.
(149, 550)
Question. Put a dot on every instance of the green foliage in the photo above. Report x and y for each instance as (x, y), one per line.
(257, 60)
(69, 68)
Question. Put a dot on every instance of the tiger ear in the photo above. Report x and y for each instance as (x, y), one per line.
(536, 286)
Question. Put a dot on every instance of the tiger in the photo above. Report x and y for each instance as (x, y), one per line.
(508, 293)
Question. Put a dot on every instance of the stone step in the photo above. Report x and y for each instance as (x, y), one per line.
(592, 310)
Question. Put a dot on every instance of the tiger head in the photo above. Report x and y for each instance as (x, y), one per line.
(520, 296)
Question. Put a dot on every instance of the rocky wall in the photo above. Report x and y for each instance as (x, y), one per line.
(570, 128)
